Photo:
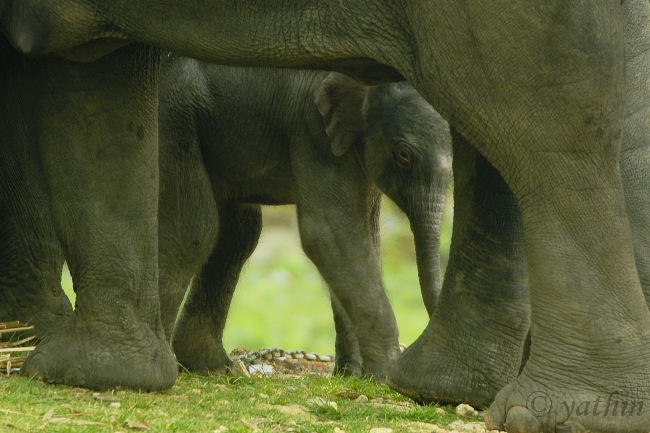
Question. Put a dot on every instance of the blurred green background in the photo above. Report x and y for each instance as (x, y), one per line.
(281, 300)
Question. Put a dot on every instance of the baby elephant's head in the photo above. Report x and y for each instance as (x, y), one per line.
(405, 146)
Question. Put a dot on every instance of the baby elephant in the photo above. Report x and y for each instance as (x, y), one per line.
(233, 139)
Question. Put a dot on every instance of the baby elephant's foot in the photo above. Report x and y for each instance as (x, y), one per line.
(199, 348)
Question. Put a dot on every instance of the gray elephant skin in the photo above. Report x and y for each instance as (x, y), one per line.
(537, 99)
(30, 257)
(232, 139)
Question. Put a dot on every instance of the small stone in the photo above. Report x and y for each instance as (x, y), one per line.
(260, 369)
(361, 399)
(311, 357)
(333, 405)
(381, 430)
(338, 430)
(292, 364)
(465, 410)
(298, 355)
(317, 401)
(325, 358)
(440, 411)
(352, 395)
(116, 405)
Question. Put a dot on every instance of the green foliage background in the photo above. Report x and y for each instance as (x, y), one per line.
(281, 300)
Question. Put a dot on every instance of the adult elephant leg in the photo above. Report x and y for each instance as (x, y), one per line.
(635, 154)
(588, 367)
(472, 345)
(30, 256)
(197, 338)
(98, 138)
(188, 218)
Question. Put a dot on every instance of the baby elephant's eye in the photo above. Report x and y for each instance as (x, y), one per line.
(403, 156)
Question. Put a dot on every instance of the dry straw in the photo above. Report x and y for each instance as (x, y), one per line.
(14, 338)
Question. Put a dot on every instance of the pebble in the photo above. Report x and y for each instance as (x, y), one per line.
(260, 368)
(466, 410)
(317, 401)
(311, 357)
(381, 430)
(298, 355)
(325, 358)
(361, 399)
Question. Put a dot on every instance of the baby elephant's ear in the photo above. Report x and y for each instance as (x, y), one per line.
(339, 100)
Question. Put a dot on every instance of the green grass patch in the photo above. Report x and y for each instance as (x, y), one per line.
(273, 403)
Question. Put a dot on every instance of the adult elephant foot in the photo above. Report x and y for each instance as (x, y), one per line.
(460, 364)
(551, 401)
(473, 343)
(122, 354)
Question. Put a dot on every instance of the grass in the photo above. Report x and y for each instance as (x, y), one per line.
(217, 404)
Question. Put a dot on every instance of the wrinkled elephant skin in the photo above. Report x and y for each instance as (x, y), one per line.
(537, 89)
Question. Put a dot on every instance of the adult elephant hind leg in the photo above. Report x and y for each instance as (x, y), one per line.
(102, 169)
(197, 338)
(472, 345)
(30, 256)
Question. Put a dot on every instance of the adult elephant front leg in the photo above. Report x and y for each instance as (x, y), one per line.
(101, 166)
(472, 345)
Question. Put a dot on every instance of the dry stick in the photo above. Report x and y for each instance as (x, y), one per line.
(5, 325)
(24, 328)
(17, 349)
